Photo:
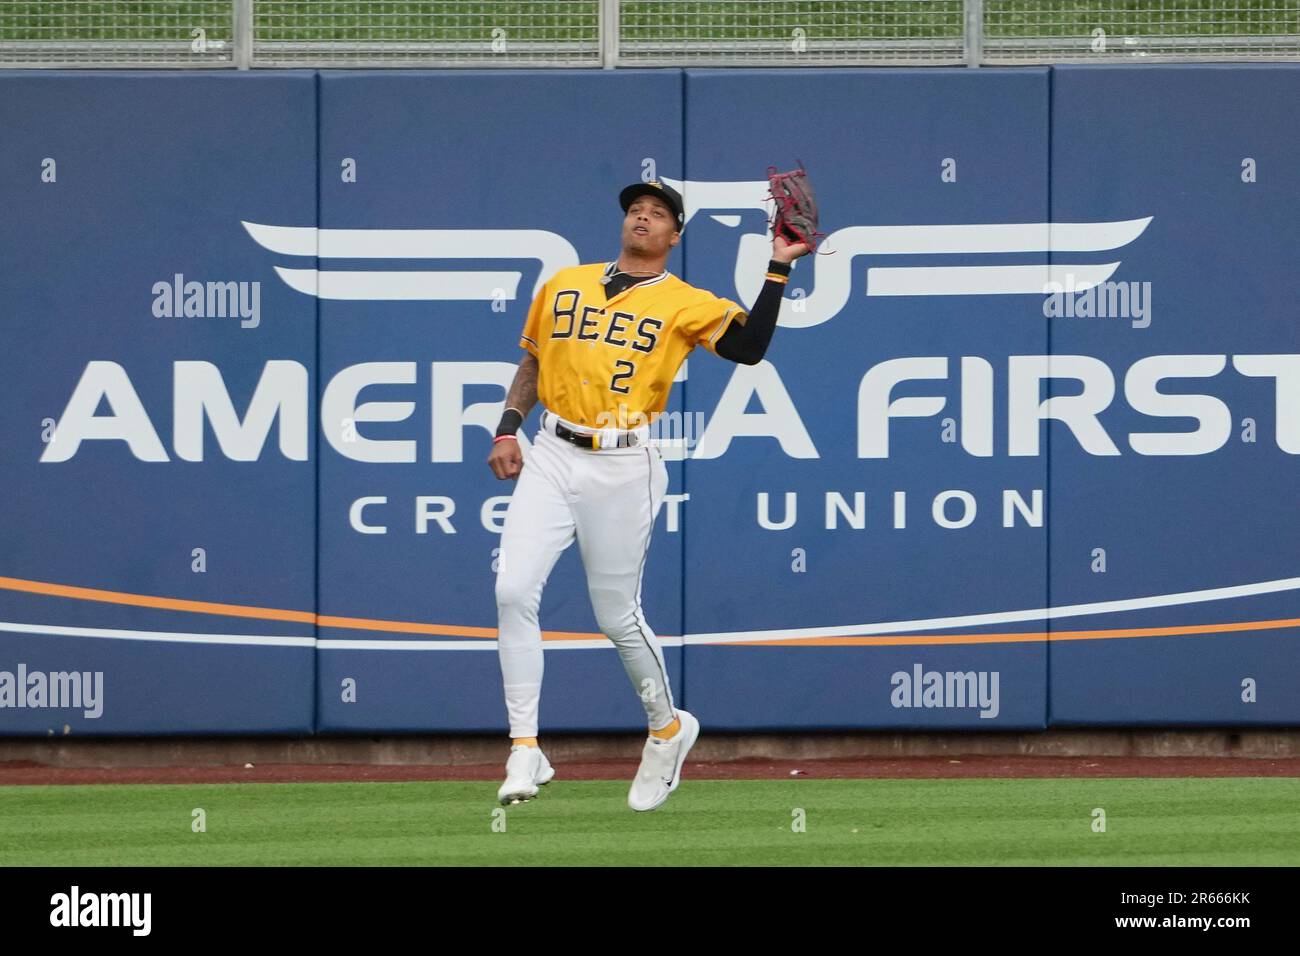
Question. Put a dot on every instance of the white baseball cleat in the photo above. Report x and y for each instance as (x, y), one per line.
(526, 771)
(661, 765)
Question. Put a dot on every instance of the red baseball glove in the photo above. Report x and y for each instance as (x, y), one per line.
(795, 217)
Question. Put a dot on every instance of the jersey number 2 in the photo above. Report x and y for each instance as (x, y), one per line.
(614, 382)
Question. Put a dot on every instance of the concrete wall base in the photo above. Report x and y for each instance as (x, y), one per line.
(465, 750)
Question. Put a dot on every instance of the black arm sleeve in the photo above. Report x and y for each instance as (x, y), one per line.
(747, 338)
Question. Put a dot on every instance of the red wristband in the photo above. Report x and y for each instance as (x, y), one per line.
(504, 437)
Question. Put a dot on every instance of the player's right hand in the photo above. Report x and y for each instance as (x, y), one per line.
(785, 251)
(506, 460)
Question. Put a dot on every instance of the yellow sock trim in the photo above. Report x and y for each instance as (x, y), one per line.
(669, 731)
(526, 741)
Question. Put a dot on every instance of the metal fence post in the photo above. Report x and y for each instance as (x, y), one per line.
(242, 25)
(609, 34)
(973, 39)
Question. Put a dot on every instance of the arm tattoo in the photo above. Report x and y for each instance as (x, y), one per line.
(523, 390)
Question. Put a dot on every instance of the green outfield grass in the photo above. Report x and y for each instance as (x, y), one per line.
(1183, 822)
(645, 20)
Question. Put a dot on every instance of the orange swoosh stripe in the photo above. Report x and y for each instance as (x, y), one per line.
(1019, 638)
(241, 610)
(148, 600)
(490, 633)
(266, 613)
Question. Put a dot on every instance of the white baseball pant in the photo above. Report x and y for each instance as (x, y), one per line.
(607, 500)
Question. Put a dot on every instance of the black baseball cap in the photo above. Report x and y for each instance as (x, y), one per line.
(655, 188)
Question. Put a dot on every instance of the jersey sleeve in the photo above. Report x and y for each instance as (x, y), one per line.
(704, 322)
(531, 337)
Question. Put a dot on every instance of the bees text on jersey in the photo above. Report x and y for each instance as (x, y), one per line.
(603, 362)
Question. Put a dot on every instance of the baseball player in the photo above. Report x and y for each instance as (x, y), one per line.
(604, 342)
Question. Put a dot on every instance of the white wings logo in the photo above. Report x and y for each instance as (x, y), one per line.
(834, 272)
(554, 251)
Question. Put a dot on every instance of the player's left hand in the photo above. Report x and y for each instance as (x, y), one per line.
(783, 251)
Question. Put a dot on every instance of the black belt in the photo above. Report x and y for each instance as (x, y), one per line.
(625, 439)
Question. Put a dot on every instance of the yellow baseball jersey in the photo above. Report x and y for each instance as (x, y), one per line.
(598, 357)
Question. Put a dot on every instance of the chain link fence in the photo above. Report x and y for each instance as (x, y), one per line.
(611, 33)
(1056, 31)
(86, 33)
(791, 33)
(563, 33)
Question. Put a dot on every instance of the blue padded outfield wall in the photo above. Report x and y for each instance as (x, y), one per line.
(114, 186)
(1025, 450)
(1217, 507)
